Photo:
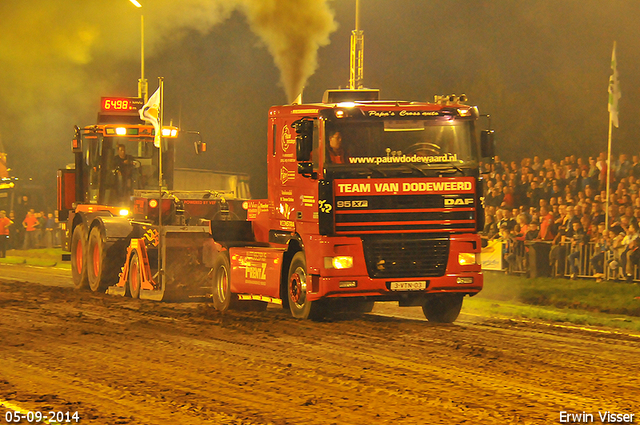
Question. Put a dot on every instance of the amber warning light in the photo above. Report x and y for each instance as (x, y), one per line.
(120, 104)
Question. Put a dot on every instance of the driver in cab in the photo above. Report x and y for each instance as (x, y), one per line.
(122, 169)
(336, 153)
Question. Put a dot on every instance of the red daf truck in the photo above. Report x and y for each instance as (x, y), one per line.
(368, 200)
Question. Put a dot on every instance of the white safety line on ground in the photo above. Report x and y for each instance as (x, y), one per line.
(556, 325)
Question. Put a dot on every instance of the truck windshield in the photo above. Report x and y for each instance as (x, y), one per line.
(400, 141)
(142, 169)
(116, 166)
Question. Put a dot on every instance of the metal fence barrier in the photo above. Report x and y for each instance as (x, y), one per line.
(544, 259)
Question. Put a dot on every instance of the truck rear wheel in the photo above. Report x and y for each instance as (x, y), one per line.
(135, 276)
(78, 257)
(297, 291)
(102, 269)
(223, 299)
(443, 308)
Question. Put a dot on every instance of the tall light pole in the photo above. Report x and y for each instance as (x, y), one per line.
(356, 60)
(143, 85)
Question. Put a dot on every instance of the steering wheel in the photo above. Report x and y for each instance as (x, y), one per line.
(423, 149)
(136, 164)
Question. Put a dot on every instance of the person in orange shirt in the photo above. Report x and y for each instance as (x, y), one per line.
(4, 233)
(30, 223)
(547, 226)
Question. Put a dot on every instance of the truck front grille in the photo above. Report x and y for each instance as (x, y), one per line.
(405, 256)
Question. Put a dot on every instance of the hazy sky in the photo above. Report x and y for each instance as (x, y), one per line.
(539, 67)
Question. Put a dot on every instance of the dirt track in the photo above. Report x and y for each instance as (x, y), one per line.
(123, 361)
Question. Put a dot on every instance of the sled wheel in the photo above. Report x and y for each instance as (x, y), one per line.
(134, 280)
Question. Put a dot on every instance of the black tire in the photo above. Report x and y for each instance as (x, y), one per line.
(102, 268)
(79, 257)
(134, 280)
(443, 308)
(299, 304)
(223, 298)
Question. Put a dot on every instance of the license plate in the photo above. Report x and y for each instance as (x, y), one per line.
(408, 286)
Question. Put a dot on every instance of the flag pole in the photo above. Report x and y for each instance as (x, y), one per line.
(161, 83)
(608, 180)
(152, 112)
(161, 113)
(614, 95)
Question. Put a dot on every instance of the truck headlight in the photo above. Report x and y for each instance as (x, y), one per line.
(467, 258)
(340, 262)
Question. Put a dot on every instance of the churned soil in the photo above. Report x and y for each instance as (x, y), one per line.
(116, 360)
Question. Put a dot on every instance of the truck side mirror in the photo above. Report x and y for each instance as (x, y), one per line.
(306, 170)
(304, 139)
(76, 143)
(198, 145)
(487, 144)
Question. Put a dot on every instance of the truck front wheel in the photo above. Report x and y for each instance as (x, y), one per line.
(78, 257)
(297, 291)
(443, 308)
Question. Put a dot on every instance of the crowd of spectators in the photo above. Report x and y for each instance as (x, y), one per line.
(26, 228)
(563, 203)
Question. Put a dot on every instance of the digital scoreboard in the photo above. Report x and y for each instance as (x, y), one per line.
(115, 105)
